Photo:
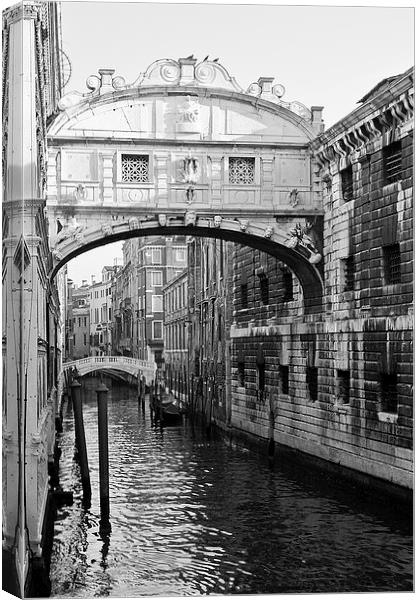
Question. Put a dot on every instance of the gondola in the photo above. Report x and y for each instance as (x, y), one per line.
(171, 412)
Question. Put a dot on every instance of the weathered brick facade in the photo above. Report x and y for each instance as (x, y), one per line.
(338, 385)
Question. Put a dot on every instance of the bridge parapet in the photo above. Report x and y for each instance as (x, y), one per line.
(132, 366)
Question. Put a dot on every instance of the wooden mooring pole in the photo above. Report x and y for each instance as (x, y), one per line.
(101, 394)
(76, 395)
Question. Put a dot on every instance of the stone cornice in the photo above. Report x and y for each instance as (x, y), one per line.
(387, 110)
(23, 10)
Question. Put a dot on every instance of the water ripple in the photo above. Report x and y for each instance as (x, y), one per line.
(196, 516)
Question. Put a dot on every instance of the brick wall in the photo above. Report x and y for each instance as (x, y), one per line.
(348, 398)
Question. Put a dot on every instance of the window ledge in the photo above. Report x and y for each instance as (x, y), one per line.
(386, 417)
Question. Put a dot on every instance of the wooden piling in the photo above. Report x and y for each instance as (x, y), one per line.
(101, 394)
(76, 395)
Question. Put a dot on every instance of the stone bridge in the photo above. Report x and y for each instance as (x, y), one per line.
(184, 150)
(132, 366)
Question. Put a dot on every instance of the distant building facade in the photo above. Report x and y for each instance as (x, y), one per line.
(210, 294)
(101, 313)
(177, 323)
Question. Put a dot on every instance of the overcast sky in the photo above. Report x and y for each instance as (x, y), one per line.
(323, 55)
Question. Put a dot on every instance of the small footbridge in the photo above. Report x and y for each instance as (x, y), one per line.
(132, 366)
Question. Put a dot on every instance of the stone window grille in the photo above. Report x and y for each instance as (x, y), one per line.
(134, 168)
(343, 386)
(388, 392)
(284, 378)
(241, 170)
(349, 271)
(347, 183)
(312, 381)
(392, 162)
(392, 264)
(288, 286)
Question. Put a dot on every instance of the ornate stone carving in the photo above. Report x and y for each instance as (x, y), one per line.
(268, 233)
(254, 90)
(57, 256)
(293, 197)
(188, 117)
(80, 193)
(70, 229)
(118, 82)
(217, 220)
(93, 83)
(133, 223)
(190, 170)
(243, 224)
(190, 218)
(107, 229)
(162, 219)
(299, 237)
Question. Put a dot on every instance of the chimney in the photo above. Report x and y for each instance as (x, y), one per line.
(84, 282)
(93, 279)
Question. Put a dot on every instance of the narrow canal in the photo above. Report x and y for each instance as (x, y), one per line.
(192, 515)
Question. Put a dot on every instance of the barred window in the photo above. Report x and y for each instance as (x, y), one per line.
(388, 391)
(284, 378)
(244, 295)
(348, 273)
(392, 264)
(312, 381)
(241, 170)
(347, 183)
(392, 162)
(241, 374)
(264, 289)
(134, 168)
(343, 391)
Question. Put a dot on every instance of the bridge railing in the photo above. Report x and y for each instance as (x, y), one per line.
(109, 360)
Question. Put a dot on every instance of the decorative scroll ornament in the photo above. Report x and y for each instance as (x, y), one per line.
(254, 90)
(299, 237)
(185, 72)
(217, 220)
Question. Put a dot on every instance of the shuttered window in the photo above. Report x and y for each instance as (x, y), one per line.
(392, 162)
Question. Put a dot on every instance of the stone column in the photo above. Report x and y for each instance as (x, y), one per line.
(24, 296)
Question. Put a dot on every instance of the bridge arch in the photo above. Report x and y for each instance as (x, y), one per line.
(131, 366)
(218, 161)
(276, 243)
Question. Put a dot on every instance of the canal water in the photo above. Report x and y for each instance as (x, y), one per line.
(192, 515)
